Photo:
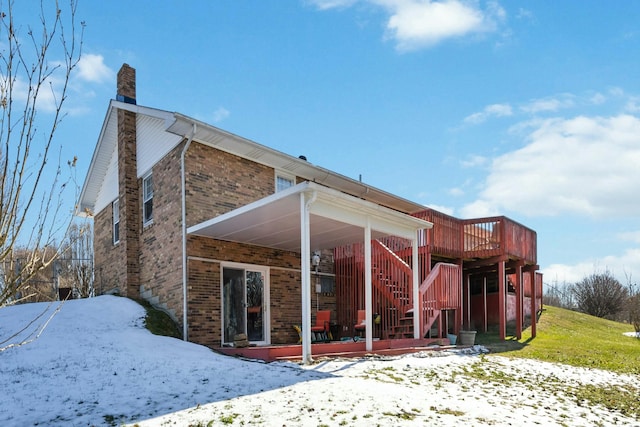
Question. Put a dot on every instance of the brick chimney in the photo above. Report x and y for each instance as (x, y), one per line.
(128, 188)
(126, 84)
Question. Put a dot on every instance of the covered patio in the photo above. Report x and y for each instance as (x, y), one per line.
(309, 217)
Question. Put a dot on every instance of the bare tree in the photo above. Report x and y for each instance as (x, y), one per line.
(558, 295)
(600, 294)
(78, 260)
(633, 303)
(35, 68)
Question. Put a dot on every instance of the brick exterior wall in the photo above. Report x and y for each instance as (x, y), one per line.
(218, 182)
(109, 267)
(161, 241)
(204, 267)
(149, 257)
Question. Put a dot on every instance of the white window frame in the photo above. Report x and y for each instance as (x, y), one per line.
(115, 216)
(266, 299)
(284, 176)
(147, 198)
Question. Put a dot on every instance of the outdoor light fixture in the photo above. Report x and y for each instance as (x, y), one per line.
(315, 260)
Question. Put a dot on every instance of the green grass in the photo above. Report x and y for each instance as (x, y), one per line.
(159, 322)
(573, 338)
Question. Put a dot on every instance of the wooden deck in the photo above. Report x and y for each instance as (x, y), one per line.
(337, 349)
(479, 238)
(462, 248)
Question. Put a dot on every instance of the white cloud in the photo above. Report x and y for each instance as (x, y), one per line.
(479, 209)
(586, 166)
(493, 110)
(552, 104)
(633, 105)
(444, 209)
(633, 236)
(332, 4)
(220, 114)
(626, 264)
(598, 99)
(48, 94)
(415, 24)
(473, 161)
(92, 68)
(524, 14)
(456, 191)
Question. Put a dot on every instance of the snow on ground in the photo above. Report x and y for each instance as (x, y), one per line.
(95, 364)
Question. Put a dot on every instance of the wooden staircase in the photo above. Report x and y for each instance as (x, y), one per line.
(441, 290)
(404, 329)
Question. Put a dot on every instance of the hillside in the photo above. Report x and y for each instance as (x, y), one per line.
(96, 364)
(579, 339)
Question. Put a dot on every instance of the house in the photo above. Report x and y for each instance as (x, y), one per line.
(234, 238)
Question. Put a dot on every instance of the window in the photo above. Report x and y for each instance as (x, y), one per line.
(116, 221)
(284, 181)
(147, 199)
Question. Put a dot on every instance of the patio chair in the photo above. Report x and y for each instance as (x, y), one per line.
(360, 325)
(321, 329)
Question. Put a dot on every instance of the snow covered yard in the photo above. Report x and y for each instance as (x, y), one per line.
(95, 364)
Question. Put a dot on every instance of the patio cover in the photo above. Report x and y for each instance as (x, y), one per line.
(308, 217)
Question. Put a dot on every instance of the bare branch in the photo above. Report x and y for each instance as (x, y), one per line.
(35, 68)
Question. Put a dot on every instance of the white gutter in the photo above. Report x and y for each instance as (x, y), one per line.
(184, 234)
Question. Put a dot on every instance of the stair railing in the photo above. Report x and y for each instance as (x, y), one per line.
(392, 285)
(440, 290)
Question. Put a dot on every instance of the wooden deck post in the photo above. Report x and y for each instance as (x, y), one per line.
(467, 300)
(460, 310)
(519, 301)
(502, 312)
(415, 278)
(534, 314)
(485, 319)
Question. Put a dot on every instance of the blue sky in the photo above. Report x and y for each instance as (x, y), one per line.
(521, 108)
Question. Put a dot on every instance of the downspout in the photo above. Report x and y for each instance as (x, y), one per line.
(184, 234)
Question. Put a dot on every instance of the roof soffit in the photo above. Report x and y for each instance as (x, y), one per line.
(335, 219)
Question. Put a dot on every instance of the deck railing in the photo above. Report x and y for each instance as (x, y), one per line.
(444, 237)
(441, 290)
(478, 238)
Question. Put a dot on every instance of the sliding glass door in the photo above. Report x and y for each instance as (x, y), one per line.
(245, 303)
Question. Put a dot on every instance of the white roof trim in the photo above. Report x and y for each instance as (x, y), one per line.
(182, 126)
(234, 144)
(102, 153)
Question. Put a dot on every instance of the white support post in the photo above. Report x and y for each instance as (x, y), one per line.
(305, 259)
(368, 303)
(417, 303)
